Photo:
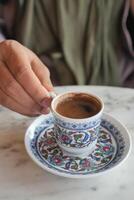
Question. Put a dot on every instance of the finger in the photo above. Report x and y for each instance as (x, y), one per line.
(12, 88)
(28, 80)
(42, 73)
(44, 76)
(18, 59)
(11, 104)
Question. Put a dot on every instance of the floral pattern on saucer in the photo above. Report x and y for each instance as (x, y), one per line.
(109, 150)
(51, 152)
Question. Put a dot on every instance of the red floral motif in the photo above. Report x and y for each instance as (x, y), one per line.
(50, 141)
(57, 160)
(65, 139)
(106, 148)
(85, 163)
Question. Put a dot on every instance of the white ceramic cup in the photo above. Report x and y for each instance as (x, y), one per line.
(76, 137)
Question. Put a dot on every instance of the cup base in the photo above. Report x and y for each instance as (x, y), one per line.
(77, 152)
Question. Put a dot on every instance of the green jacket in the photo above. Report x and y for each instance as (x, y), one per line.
(81, 38)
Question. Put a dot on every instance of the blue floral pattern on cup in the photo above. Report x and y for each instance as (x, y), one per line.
(76, 138)
(77, 125)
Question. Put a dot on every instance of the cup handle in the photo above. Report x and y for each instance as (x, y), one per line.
(52, 94)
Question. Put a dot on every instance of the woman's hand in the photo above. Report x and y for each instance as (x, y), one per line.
(24, 80)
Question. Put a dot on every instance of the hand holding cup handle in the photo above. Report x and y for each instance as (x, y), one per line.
(24, 80)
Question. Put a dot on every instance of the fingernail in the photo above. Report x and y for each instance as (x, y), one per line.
(45, 111)
(47, 93)
(46, 102)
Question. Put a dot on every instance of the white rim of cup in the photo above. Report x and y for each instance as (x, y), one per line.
(77, 119)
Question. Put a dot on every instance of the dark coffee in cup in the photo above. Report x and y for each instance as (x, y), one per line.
(78, 105)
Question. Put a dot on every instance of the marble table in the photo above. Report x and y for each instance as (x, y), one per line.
(22, 179)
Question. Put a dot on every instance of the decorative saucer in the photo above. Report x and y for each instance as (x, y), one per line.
(112, 148)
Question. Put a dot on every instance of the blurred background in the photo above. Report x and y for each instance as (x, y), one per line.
(86, 42)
